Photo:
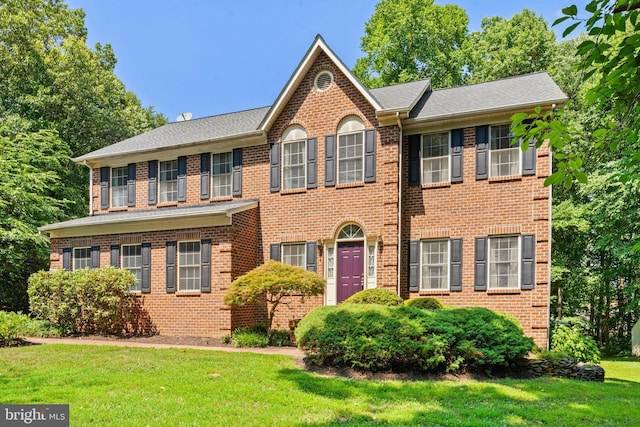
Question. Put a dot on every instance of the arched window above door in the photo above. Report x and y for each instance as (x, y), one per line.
(351, 232)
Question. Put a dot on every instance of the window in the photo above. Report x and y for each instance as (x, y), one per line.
(435, 264)
(188, 266)
(168, 181)
(330, 261)
(371, 261)
(350, 150)
(294, 254)
(221, 168)
(504, 157)
(351, 232)
(294, 153)
(119, 186)
(81, 258)
(435, 158)
(132, 261)
(503, 262)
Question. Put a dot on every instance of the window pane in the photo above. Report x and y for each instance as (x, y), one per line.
(435, 264)
(168, 179)
(119, 186)
(372, 260)
(294, 254)
(350, 152)
(330, 262)
(503, 262)
(189, 266)
(81, 258)
(132, 261)
(294, 164)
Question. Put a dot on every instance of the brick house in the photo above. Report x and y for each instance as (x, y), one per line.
(402, 187)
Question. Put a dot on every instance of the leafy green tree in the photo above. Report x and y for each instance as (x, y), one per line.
(276, 282)
(509, 47)
(408, 40)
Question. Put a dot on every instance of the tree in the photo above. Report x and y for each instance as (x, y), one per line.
(275, 282)
(509, 47)
(408, 40)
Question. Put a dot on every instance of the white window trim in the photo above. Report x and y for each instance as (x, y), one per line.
(422, 158)
(111, 186)
(159, 196)
(518, 262)
(74, 258)
(361, 155)
(139, 284)
(304, 163)
(226, 174)
(448, 288)
(304, 256)
(491, 151)
(178, 266)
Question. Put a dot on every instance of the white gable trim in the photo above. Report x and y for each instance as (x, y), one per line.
(301, 70)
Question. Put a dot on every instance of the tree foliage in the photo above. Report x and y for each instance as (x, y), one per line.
(274, 282)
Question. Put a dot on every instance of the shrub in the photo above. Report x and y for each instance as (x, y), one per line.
(11, 326)
(426, 303)
(248, 337)
(572, 341)
(90, 301)
(279, 338)
(375, 337)
(375, 296)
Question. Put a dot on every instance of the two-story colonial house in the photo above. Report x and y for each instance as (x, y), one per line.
(402, 187)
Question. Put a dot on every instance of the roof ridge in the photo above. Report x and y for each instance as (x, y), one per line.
(400, 84)
(490, 81)
(220, 115)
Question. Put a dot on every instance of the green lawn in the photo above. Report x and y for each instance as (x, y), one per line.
(174, 387)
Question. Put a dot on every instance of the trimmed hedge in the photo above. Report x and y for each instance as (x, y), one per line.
(375, 296)
(379, 338)
(426, 303)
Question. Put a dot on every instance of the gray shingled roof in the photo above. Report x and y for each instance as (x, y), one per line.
(221, 208)
(187, 132)
(528, 90)
(401, 96)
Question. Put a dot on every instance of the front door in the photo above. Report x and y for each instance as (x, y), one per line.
(350, 269)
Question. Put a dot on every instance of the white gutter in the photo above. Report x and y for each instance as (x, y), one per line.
(90, 187)
(399, 201)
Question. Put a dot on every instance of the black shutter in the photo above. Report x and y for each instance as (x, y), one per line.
(95, 256)
(153, 182)
(414, 159)
(414, 266)
(529, 159)
(457, 155)
(312, 163)
(205, 177)
(274, 251)
(145, 284)
(104, 187)
(115, 256)
(329, 160)
(171, 267)
(311, 256)
(275, 168)
(528, 261)
(182, 179)
(370, 155)
(456, 266)
(482, 152)
(480, 272)
(205, 265)
(237, 172)
(131, 185)
(66, 259)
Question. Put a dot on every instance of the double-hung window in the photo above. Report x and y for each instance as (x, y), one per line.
(168, 180)
(81, 258)
(504, 262)
(294, 155)
(221, 169)
(351, 150)
(132, 261)
(119, 186)
(294, 254)
(504, 157)
(435, 158)
(189, 264)
(434, 265)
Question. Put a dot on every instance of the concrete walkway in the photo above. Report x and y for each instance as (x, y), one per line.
(286, 351)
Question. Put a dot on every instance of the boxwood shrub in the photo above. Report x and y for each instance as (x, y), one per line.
(375, 296)
(425, 303)
(400, 338)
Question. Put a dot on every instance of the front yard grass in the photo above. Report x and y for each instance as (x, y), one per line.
(177, 387)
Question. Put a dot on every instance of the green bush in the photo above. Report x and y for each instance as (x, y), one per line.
(11, 327)
(249, 337)
(89, 301)
(426, 303)
(379, 338)
(279, 338)
(375, 296)
(572, 341)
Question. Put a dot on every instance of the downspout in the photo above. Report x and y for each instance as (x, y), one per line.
(90, 187)
(399, 267)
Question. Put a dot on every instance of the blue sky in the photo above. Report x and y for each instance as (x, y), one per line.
(210, 57)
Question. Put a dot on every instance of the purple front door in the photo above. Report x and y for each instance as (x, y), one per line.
(350, 269)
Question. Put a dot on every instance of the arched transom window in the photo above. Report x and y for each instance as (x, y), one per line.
(294, 156)
(351, 232)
